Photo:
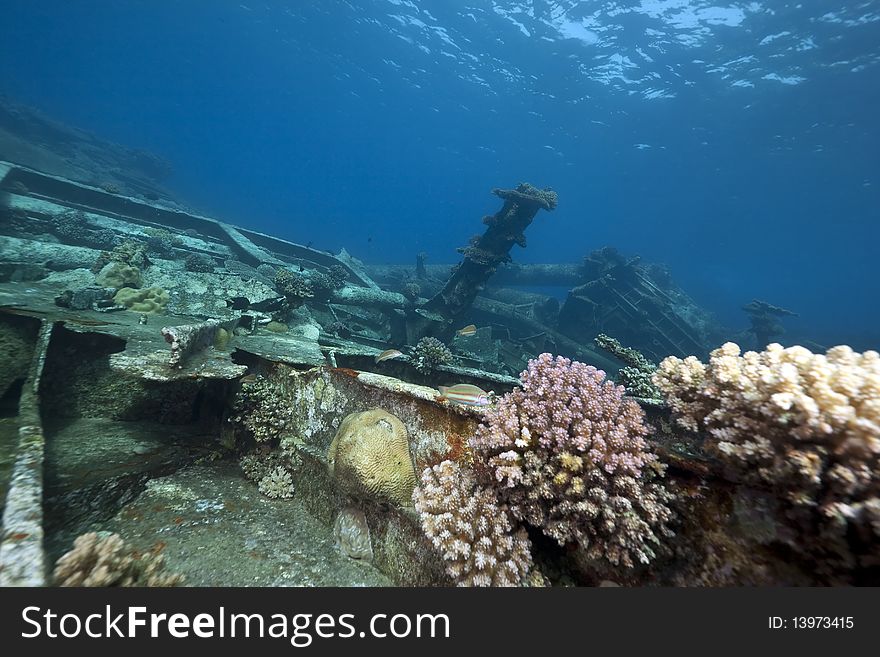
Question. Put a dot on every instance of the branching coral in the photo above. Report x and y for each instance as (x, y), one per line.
(321, 284)
(199, 262)
(270, 470)
(567, 453)
(97, 560)
(636, 375)
(131, 253)
(293, 286)
(260, 408)
(69, 226)
(806, 425)
(479, 541)
(429, 353)
(162, 242)
(277, 483)
(337, 275)
(102, 238)
(411, 290)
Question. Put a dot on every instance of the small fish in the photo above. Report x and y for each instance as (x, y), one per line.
(238, 303)
(388, 354)
(250, 378)
(465, 394)
(467, 331)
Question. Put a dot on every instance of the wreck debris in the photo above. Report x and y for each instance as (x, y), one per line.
(421, 272)
(485, 253)
(765, 321)
(621, 298)
(188, 339)
(513, 326)
(556, 274)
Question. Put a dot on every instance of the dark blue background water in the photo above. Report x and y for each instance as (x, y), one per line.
(296, 122)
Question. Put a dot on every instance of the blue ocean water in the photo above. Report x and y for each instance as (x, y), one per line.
(736, 142)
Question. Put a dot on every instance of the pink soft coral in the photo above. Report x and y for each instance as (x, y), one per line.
(567, 453)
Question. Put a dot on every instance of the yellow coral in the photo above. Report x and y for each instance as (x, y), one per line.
(221, 340)
(119, 275)
(571, 462)
(369, 457)
(149, 300)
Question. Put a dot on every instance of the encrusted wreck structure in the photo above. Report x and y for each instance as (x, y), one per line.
(178, 387)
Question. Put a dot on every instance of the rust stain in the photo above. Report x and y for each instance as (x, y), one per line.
(347, 371)
(459, 451)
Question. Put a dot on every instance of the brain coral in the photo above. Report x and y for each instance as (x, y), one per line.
(369, 456)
